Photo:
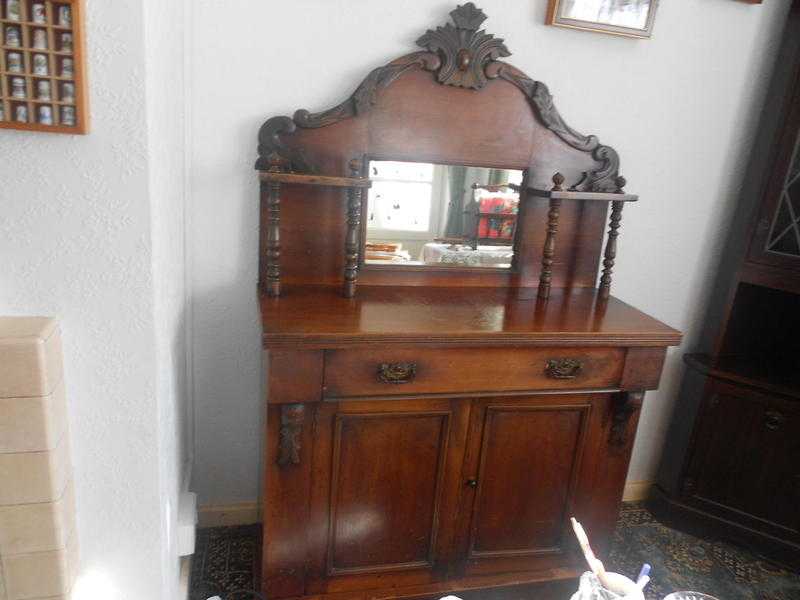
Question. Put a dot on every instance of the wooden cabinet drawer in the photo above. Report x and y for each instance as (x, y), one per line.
(402, 371)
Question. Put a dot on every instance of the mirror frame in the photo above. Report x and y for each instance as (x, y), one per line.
(362, 264)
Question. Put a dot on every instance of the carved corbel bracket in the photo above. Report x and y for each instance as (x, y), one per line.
(292, 416)
(273, 154)
(625, 404)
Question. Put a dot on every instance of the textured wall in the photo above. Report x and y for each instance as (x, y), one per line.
(78, 239)
(679, 108)
(164, 60)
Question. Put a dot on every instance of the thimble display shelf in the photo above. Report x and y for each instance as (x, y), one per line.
(42, 66)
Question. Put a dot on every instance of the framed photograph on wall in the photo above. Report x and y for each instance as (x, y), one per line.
(632, 18)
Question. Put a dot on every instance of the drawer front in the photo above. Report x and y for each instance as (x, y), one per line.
(404, 371)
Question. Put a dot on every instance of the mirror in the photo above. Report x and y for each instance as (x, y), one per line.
(425, 214)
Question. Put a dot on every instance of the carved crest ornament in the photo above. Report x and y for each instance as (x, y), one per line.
(460, 55)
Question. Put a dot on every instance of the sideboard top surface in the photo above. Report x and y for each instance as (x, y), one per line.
(319, 317)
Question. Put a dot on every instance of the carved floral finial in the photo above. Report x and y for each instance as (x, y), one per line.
(464, 50)
(468, 16)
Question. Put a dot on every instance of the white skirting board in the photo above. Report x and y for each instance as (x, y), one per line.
(247, 513)
(186, 571)
(636, 491)
(241, 513)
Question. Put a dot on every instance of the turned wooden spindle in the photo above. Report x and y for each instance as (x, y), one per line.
(549, 250)
(611, 245)
(271, 196)
(354, 195)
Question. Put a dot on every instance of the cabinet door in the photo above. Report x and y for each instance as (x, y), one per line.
(524, 472)
(385, 484)
(745, 463)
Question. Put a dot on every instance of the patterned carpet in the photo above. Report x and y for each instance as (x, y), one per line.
(227, 558)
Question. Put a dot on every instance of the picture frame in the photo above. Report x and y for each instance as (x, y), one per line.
(629, 18)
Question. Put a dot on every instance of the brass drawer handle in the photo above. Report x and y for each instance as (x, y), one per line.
(563, 368)
(773, 420)
(397, 372)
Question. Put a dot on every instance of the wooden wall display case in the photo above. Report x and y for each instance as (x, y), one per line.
(431, 427)
(732, 464)
(42, 66)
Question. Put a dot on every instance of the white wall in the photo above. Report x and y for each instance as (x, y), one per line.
(87, 234)
(164, 64)
(679, 108)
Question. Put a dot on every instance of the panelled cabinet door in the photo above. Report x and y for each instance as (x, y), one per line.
(385, 494)
(747, 443)
(526, 471)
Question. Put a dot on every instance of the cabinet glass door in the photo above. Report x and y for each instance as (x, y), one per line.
(784, 233)
(776, 240)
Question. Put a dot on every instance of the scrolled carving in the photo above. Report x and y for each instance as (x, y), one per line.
(541, 100)
(465, 51)
(603, 179)
(462, 56)
(292, 416)
(625, 404)
(366, 93)
(272, 151)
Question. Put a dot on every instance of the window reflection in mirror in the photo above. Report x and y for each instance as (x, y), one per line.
(441, 215)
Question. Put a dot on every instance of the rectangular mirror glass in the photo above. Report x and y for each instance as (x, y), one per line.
(425, 214)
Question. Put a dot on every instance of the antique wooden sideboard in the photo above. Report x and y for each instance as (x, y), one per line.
(432, 427)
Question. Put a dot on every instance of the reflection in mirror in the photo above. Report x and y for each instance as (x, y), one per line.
(441, 215)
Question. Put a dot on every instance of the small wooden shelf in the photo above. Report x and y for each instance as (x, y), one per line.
(33, 50)
(749, 371)
(319, 180)
(575, 195)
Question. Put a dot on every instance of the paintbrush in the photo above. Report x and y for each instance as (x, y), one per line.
(595, 564)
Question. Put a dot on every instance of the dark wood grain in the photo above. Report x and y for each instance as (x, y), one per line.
(318, 317)
(643, 368)
(295, 376)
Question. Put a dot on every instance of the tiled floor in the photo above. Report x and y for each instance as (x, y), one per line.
(226, 562)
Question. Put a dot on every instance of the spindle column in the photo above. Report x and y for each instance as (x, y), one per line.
(351, 245)
(610, 253)
(549, 250)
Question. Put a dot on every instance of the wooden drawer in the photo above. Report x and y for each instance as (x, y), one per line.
(406, 371)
